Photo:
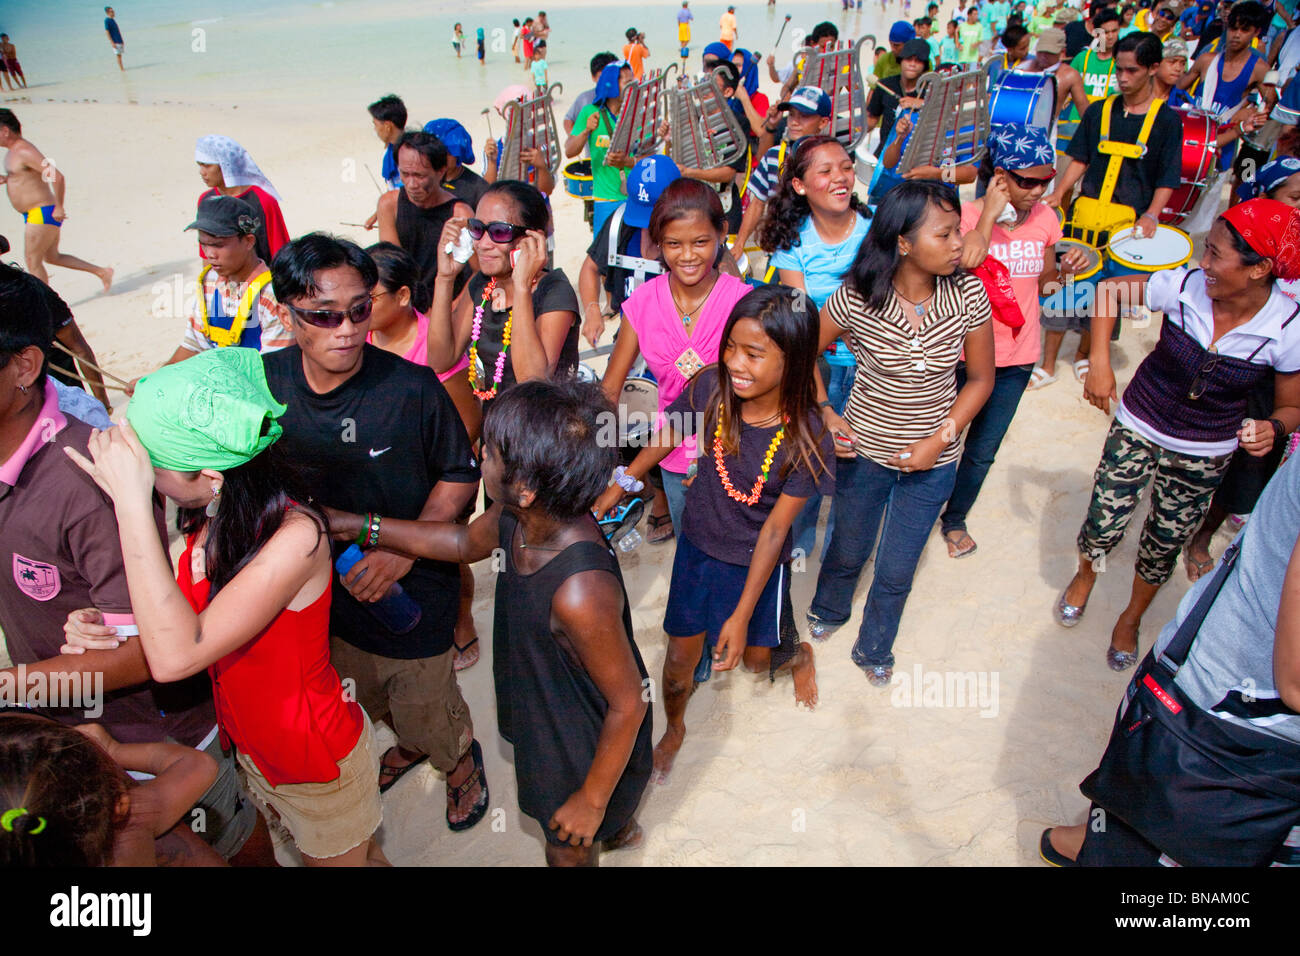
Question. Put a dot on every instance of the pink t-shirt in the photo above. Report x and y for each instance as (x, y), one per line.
(1021, 251)
(672, 355)
(419, 350)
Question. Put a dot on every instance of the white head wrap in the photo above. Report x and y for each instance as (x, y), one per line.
(237, 167)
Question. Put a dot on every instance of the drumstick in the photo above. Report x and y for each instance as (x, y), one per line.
(361, 224)
(784, 24)
(81, 361)
(86, 381)
(487, 115)
(875, 84)
(373, 179)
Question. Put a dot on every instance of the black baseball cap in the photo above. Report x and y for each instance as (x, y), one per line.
(226, 216)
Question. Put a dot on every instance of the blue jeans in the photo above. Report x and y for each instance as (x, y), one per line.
(866, 492)
(838, 387)
(676, 495)
(987, 430)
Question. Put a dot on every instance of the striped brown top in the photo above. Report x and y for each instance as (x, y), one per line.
(907, 379)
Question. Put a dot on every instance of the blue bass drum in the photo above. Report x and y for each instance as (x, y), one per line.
(1028, 98)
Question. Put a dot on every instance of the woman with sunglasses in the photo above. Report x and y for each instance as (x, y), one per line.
(520, 320)
(1021, 233)
(1183, 415)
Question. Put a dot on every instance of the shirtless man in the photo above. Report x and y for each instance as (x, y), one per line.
(12, 69)
(36, 188)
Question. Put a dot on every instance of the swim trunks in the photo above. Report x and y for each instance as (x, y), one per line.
(14, 67)
(41, 216)
(118, 48)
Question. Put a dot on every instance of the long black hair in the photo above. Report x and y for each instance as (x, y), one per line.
(255, 499)
(899, 214)
(396, 270)
(791, 321)
(786, 209)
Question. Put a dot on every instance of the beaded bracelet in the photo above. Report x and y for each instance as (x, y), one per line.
(365, 526)
(372, 537)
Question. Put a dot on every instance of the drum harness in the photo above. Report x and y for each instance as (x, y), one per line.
(640, 268)
(1102, 220)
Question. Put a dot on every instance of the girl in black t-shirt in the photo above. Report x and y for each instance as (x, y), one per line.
(520, 320)
(769, 451)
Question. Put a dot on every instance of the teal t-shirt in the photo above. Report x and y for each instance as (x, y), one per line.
(606, 181)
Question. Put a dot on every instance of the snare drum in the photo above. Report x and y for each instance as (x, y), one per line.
(1028, 98)
(638, 406)
(1198, 164)
(1169, 248)
(578, 179)
(1092, 252)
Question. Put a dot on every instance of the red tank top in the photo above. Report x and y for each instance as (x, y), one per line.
(278, 698)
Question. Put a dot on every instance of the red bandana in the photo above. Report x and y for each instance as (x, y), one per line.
(997, 285)
(1272, 229)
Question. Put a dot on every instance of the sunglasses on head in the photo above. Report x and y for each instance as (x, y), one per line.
(1028, 182)
(332, 319)
(496, 231)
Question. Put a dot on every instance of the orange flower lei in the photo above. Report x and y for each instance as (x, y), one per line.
(750, 499)
(491, 393)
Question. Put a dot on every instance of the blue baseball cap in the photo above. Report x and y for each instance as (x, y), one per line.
(808, 99)
(645, 184)
(455, 137)
(901, 32)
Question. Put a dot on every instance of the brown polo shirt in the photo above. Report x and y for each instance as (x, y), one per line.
(59, 551)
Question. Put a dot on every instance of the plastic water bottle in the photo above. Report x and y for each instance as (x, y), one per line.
(630, 541)
(396, 610)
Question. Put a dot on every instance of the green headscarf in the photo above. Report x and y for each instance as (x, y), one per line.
(210, 411)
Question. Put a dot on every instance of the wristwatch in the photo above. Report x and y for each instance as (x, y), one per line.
(1279, 430)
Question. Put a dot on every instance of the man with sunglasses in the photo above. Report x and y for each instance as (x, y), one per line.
(384, 437)
(234, 304)
(413, 217)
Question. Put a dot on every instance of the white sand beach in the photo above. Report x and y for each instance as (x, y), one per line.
(863, 779)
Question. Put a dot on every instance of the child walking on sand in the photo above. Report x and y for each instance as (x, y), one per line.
(539, 66)
(570, 683)
(731, 577)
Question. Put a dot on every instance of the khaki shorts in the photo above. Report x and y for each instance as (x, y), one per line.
(327, 819)
(428, 713)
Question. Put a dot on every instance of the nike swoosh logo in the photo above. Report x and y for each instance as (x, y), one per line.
(376, 454)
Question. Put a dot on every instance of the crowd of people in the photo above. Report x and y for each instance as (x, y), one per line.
(820, 361)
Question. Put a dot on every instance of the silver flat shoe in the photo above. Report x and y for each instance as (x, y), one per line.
(1121, 660)
(818, 629)
(1067, 615)
(879, 675)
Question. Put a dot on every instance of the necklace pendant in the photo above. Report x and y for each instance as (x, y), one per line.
(920, 310)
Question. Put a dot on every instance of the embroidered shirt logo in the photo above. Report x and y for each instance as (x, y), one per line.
(376, 454)
(38, 581)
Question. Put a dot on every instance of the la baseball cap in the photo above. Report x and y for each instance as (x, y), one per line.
(808, 99)
(645, 184)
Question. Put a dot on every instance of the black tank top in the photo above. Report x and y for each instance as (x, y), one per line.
(547, 704)
(418, 232)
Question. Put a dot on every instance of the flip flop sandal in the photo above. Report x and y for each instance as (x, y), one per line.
(1081, 369)
(959, 535)
(1039, 378)
(654, 523)
(622, 519)
(396, 773)
(461, 663)
(476, 776)
(1050, 854)
(1202, 567)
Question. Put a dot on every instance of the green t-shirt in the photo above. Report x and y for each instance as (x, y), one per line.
(970, 34)
(887, 66)
(1099, 78)
(606, 181)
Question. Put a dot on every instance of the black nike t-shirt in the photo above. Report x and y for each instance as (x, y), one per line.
(379, 442)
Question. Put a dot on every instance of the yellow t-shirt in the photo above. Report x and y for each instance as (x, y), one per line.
(727, 24)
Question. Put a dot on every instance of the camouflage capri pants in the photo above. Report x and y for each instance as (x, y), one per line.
(1181, 489)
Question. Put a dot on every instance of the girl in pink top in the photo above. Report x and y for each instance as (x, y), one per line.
(398, 326)
(1023, 160)
(676, 320)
